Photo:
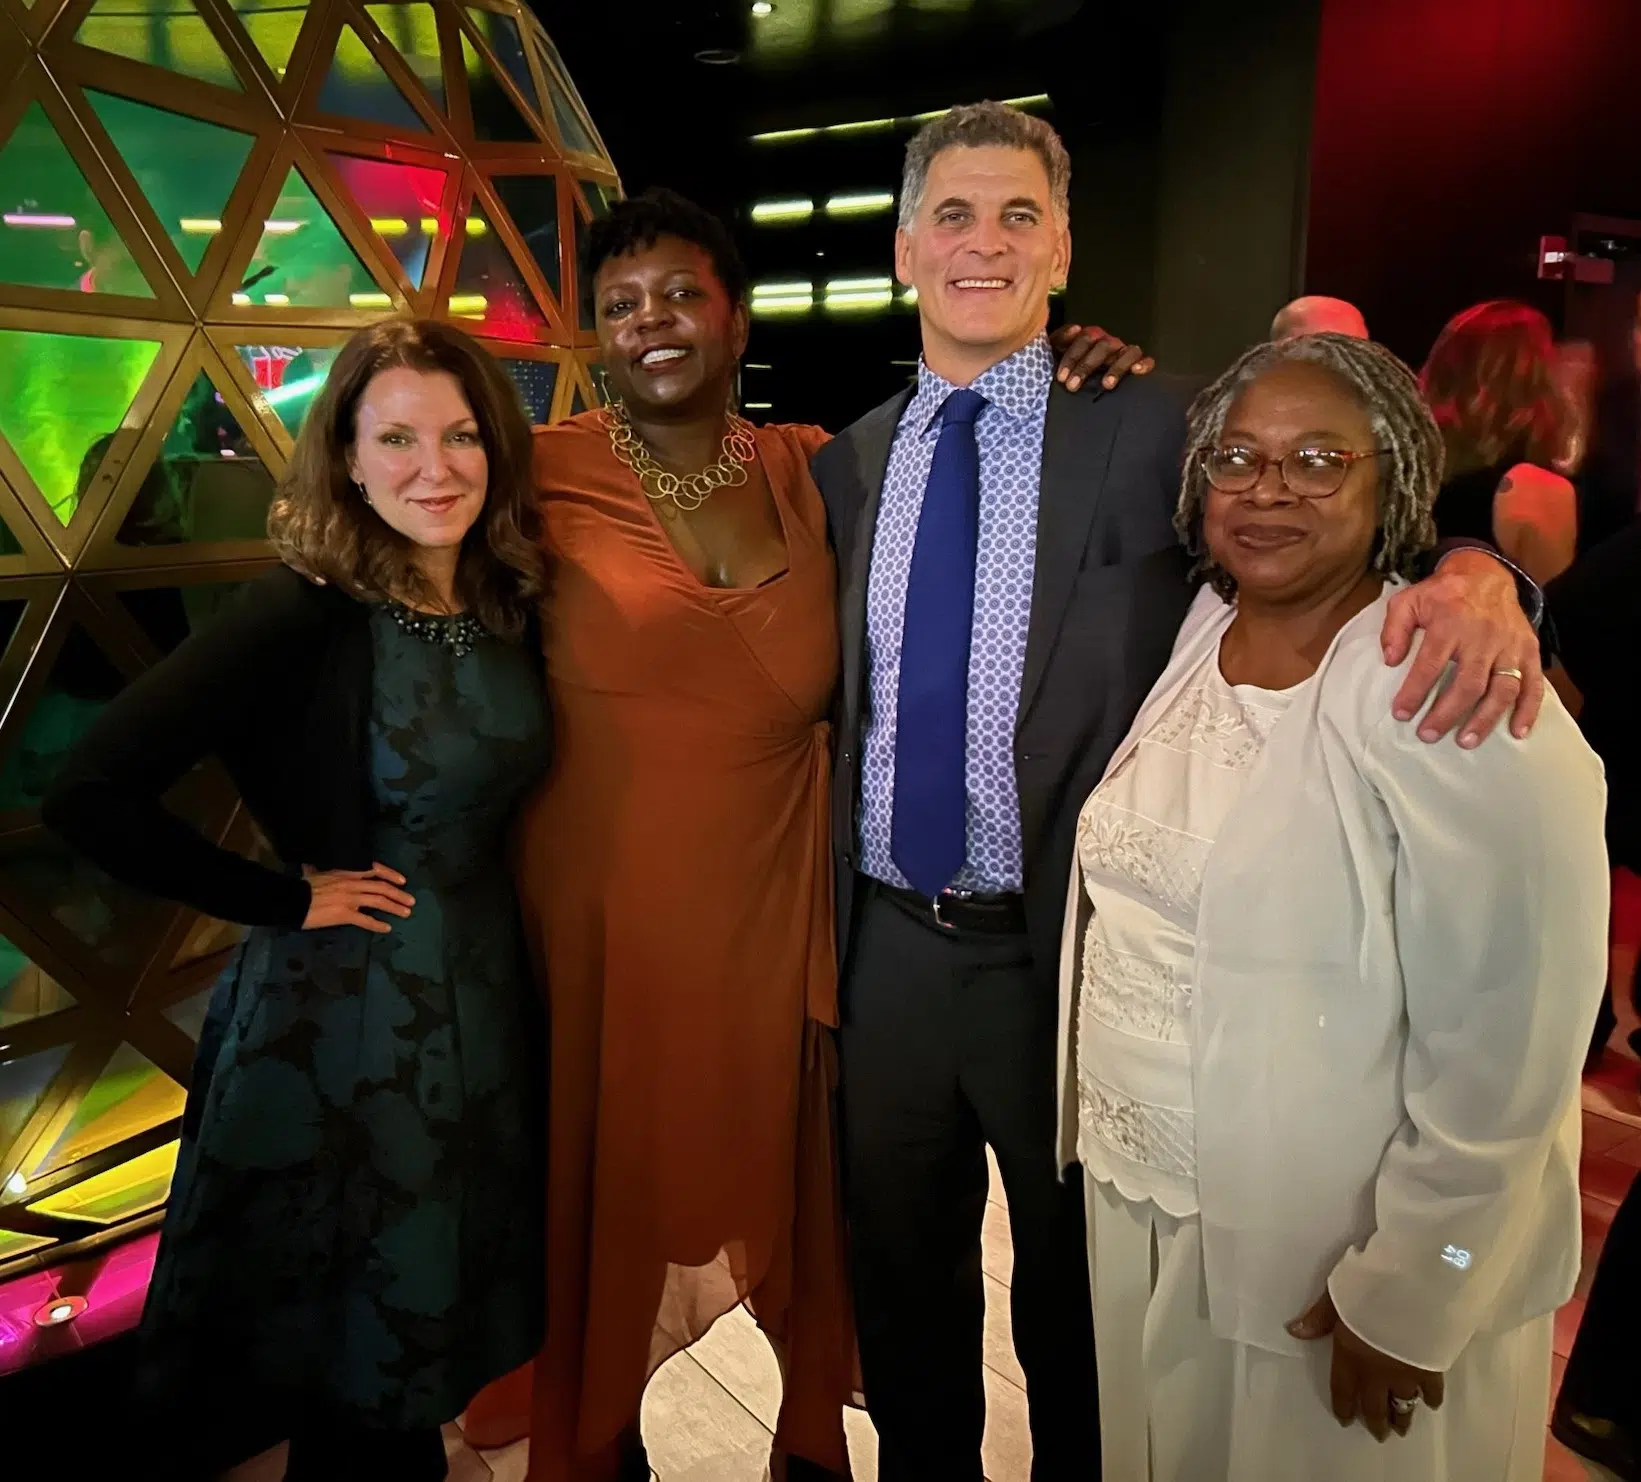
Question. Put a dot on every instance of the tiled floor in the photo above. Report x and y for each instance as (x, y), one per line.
(708, 1414)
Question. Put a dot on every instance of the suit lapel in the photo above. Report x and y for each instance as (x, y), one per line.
(1077, 440)
(873, 439)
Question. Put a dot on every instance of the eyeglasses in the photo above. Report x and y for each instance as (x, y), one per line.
(1308, 473)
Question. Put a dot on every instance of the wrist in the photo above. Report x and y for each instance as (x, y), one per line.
(1482, 562)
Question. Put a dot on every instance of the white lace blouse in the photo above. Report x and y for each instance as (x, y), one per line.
(1142, 842)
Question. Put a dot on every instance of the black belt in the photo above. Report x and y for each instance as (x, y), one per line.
(999, 915)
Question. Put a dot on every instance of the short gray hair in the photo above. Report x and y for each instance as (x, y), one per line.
(1410, 474)
(978, 126)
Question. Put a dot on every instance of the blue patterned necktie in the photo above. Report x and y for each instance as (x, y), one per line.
(928, 831)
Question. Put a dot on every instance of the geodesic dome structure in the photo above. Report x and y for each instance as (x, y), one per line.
(199, 200)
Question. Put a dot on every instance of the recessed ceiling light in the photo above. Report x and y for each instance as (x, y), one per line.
(718, 56)
(761, 8)
(17, 1184)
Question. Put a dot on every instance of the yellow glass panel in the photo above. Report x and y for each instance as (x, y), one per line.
(25, 991)
(13, 1244)
(162, 33)
(119, 1194)
(130, 1096)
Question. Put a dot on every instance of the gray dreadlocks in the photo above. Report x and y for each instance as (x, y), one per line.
(1402, 427)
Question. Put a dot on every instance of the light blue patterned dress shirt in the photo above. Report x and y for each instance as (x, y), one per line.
(1009, 434)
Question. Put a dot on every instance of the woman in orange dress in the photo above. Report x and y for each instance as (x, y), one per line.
(676, 873)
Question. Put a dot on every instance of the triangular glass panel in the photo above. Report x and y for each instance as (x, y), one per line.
(11, 613)
(57, 234)
(9, 546)
(61, 395)
(23, 1082)
(403, 204)
(599, 197)
(536, 381)
(27, 991)
(163, 33)
(414, 31)
(357, 87)
(13, 1244)
(208, 483)
(532, 202)
(186, 167)
(578, 402)
(303, 260)
(81, 682)
(572, 129)
(167, 615)
(290, 377)
(189, 1015)
(130, 1096)
(490, 293)
(584, 295)
(501, 32)
(273, 26)
(120, 1193)
(207, 938)
(496, 118)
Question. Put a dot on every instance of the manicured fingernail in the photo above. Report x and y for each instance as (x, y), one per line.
(1298, 1329)
(1060, 374)
(1074, 383)
(1403, 713)
(1110, 382)
(1430, 733)
(1469, 740)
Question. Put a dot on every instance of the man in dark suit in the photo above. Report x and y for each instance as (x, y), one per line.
(1011, 587)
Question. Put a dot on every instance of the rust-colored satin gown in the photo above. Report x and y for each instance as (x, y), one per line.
(676, 882)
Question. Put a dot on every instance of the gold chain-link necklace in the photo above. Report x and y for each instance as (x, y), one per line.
(687, 491)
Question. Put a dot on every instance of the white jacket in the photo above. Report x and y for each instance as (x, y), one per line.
(1400, 949)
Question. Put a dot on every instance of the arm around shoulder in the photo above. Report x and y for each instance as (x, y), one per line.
(107, 802)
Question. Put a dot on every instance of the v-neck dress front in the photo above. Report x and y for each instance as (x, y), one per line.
(675, 879)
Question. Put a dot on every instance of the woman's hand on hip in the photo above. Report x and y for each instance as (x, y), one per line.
(343, 897)
(1366, 1385)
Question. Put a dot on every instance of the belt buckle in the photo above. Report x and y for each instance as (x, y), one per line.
(939, 920)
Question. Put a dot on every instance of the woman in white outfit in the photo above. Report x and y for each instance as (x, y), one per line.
(1326, 990)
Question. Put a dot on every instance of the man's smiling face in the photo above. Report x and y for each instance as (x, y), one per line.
(984, 249)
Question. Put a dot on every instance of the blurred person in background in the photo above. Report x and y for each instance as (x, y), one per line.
(1491, 382)
(1318, 315)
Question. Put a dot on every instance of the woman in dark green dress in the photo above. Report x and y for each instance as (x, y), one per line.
(354, 1242)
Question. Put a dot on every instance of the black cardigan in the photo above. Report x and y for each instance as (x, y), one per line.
(279, 689)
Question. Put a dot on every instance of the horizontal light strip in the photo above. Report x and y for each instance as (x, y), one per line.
(908, 295)
(860, 205)
(430, 226)
(200, 226)
(755, 365)
(283, 228)
(857, 285)
(291, 390)
(30, 218)
(473, 304)
(868, 125)
(277, 300)
(783, 210)
(389, 226)
(242, 299)
(757, 406)
(370, 301)
(476, 227)
(880, 300)
(780, 290)
(795, 304)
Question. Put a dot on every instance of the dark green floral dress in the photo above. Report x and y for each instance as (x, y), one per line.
(355, 1230)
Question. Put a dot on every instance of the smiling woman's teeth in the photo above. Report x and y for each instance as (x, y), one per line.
(982, 283)
(657, 357)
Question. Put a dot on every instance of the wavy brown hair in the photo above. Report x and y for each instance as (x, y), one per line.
(1491, 385)
(321, 525)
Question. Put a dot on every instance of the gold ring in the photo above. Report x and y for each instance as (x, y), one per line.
(1508, 673)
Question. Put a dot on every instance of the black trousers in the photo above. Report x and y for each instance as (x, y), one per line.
(1603, 1377)
(342, 1453)
(948, 1044)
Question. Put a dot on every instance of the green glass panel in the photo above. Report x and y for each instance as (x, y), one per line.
(118, 1194)
(13, 1244)
(584, 295)
(22, 1083)
(414, 32)
(273, 26)
(536, 381)
(599, 197)
(303, 260)
(81, 682)
(163, 33)
(9, 545)
(357, 87)
(207, 484)
(572, 128)
(130, 1096)
(501, 32)
(578, 402)
(26, 992)
(291, 376)
(496, 118)
(60, 396)
(186, 167)
(532, 202)
(490, 293)
(402, 203)
(55, 232)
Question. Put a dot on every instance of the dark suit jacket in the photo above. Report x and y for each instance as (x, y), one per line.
(1108, 597)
